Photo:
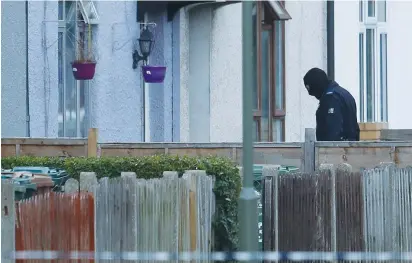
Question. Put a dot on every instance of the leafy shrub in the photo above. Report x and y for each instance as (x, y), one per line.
(227, 184)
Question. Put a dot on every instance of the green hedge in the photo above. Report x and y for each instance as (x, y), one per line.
(227, 185)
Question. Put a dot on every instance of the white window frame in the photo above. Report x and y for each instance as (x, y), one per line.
(379, 28)
(78, 83)
(89, 11)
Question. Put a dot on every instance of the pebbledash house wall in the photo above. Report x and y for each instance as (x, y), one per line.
(116, 89)
(116, 104)
(13, 69)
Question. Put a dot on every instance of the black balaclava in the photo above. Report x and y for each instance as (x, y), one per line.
(316, 82)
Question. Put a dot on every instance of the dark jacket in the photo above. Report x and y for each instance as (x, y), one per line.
(336, 118)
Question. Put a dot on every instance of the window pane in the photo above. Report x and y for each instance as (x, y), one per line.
(371, 8)
(83, 110)
(361, 77)
(61, 86)
(254, 64)
(360, 10)
(277, 130)
(382, 11)
(256, 130)
(71, 89)
(384, 80)
(61, 8)
(370, 74)
(265, 80)
(70, 9)
(83, 98)
(279, 68)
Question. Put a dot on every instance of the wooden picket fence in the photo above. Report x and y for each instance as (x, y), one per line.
(338, 210)
(168, 214)
(333, 209)
(56, 221)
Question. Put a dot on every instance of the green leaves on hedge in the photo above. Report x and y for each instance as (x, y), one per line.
(227, 184)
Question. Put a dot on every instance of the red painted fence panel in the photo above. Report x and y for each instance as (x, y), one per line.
(56, 221)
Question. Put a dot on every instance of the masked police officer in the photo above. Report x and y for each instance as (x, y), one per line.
(336, 118)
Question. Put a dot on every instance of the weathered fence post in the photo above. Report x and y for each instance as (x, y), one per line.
(8, 219)
(71, 186)
(170, 175)
(333, 171)
(330, 167)
(88, 181)
(92, 143)
(270, 208)
(200, 185)
(128, 175)
(309, 150)
(191, 177)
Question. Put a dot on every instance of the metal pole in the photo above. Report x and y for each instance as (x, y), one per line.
(248, 201)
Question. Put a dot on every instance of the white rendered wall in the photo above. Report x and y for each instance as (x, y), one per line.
(221, 75)
(226, 75)
(347, 47)
(305, 49)
(399, 64)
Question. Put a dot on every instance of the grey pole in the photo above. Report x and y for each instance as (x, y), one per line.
(248, 201)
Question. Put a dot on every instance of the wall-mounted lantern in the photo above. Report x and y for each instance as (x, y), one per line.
(151, 74)
(146, 43)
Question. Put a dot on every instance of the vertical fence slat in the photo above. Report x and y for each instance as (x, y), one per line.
(267, 213)
(8, 231)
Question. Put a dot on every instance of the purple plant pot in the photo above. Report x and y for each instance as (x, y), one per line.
(154, 74)
(83, 70)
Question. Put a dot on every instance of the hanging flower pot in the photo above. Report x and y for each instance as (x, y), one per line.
(154, 74)
(84, 66)
(83, 70)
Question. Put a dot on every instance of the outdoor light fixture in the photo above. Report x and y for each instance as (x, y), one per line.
(146, 43)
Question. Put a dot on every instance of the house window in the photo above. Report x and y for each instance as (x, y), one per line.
(73, 109)
(269, 91)
(373, 62)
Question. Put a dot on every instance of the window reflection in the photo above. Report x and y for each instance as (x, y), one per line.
(278, 130)
(265, 80)
(61, 85)
(384, 81)
(84, 97)
(73, 94)
(71, 89)
(371, 8)
(61, 10)
(254, 63)
(361, 77)
(370, 74)
(279, 104)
